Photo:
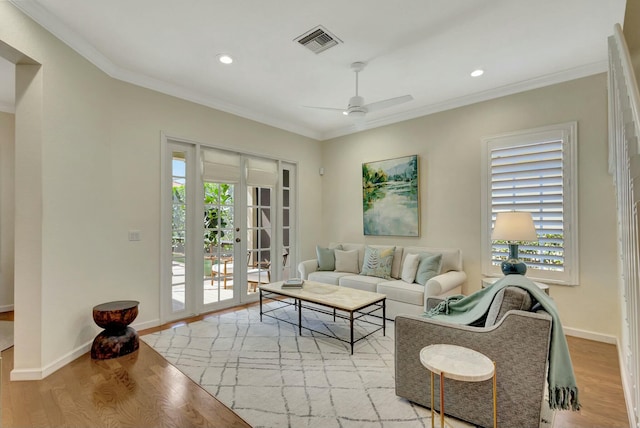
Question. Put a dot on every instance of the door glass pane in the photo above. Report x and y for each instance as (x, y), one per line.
(178, 230)
(259, 233)
(218, 242)
(286, 224)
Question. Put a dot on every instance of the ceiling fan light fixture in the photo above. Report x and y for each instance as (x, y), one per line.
(225, 58)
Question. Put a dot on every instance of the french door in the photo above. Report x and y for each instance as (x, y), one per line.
(229, 225)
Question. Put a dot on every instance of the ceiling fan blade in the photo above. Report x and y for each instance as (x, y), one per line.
(325, 108)
(379, 105)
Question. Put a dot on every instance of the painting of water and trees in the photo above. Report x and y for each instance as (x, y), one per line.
(390, 202)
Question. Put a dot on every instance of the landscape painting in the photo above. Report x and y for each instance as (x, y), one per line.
(390, 203)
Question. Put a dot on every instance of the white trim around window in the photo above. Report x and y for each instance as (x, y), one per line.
(534, 170)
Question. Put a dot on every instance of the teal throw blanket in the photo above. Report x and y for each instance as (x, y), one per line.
(563, 390)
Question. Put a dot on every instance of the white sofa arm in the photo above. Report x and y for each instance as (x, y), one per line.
(441, 285)
(306, 267)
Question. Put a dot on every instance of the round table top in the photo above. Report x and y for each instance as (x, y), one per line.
(119, 305)
(457, 362)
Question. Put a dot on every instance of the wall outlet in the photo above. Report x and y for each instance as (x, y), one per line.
(134, 235)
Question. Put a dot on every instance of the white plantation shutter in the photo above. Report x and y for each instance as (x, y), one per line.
(529, 178)
(533, 172)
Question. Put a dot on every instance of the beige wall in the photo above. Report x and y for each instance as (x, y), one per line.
(449, 147)
(87, 171)
(6, 210)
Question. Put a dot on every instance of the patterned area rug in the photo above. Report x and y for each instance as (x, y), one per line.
(272, 377)
(6, 335)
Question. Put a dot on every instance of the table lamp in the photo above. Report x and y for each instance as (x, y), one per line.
(513, 227)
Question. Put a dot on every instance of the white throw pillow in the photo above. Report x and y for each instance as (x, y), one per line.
(347, 261)
(410, 267)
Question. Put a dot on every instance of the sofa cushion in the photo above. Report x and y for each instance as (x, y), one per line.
(410, 268)
(326, 257)
(327, 277)
(347, 261)
(451, 257)
(397, 257)
(360, 282)
(507, 299)
(377, 262)
(396, 265)
(429, 267)
(401, 291)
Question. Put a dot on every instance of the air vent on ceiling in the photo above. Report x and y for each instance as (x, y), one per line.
(318, 40)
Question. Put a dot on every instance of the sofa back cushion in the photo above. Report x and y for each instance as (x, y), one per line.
(507, 299)
(347, 261)
(451, 257)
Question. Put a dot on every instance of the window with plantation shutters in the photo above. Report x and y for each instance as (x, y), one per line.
(533, 171)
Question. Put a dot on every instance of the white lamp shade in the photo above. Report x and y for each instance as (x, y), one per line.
(514, 226)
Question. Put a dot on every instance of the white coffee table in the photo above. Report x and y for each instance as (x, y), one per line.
(458, 363)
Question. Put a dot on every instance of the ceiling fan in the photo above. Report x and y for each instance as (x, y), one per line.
(357, 108)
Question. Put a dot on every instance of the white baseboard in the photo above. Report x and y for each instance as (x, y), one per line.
(590, 335)
(145, 325)
(41, 373)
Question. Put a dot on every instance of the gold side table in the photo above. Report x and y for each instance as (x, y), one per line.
(458, 363)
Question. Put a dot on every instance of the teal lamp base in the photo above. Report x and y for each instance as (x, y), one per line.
(513, 266)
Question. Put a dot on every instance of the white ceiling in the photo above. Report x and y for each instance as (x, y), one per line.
(425, 48)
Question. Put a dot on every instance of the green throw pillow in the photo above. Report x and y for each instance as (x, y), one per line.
(428, 268)
(377, 262)
(326, 257)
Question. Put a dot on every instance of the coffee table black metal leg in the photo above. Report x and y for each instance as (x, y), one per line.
(261, 305)
(351, 328)
(384, 317)
(299, 317)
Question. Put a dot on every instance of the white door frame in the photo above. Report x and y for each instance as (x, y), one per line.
(194, 299)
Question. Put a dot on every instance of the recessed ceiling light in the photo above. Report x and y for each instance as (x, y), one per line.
(476, 73)
(225, 59)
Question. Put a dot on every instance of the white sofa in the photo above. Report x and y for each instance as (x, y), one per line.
(402, 297)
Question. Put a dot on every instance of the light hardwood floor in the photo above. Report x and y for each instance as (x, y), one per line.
(144, 390)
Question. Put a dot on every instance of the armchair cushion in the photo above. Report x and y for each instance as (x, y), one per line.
(507, 299)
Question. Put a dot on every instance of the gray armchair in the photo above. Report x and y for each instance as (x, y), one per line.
(516, 339)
